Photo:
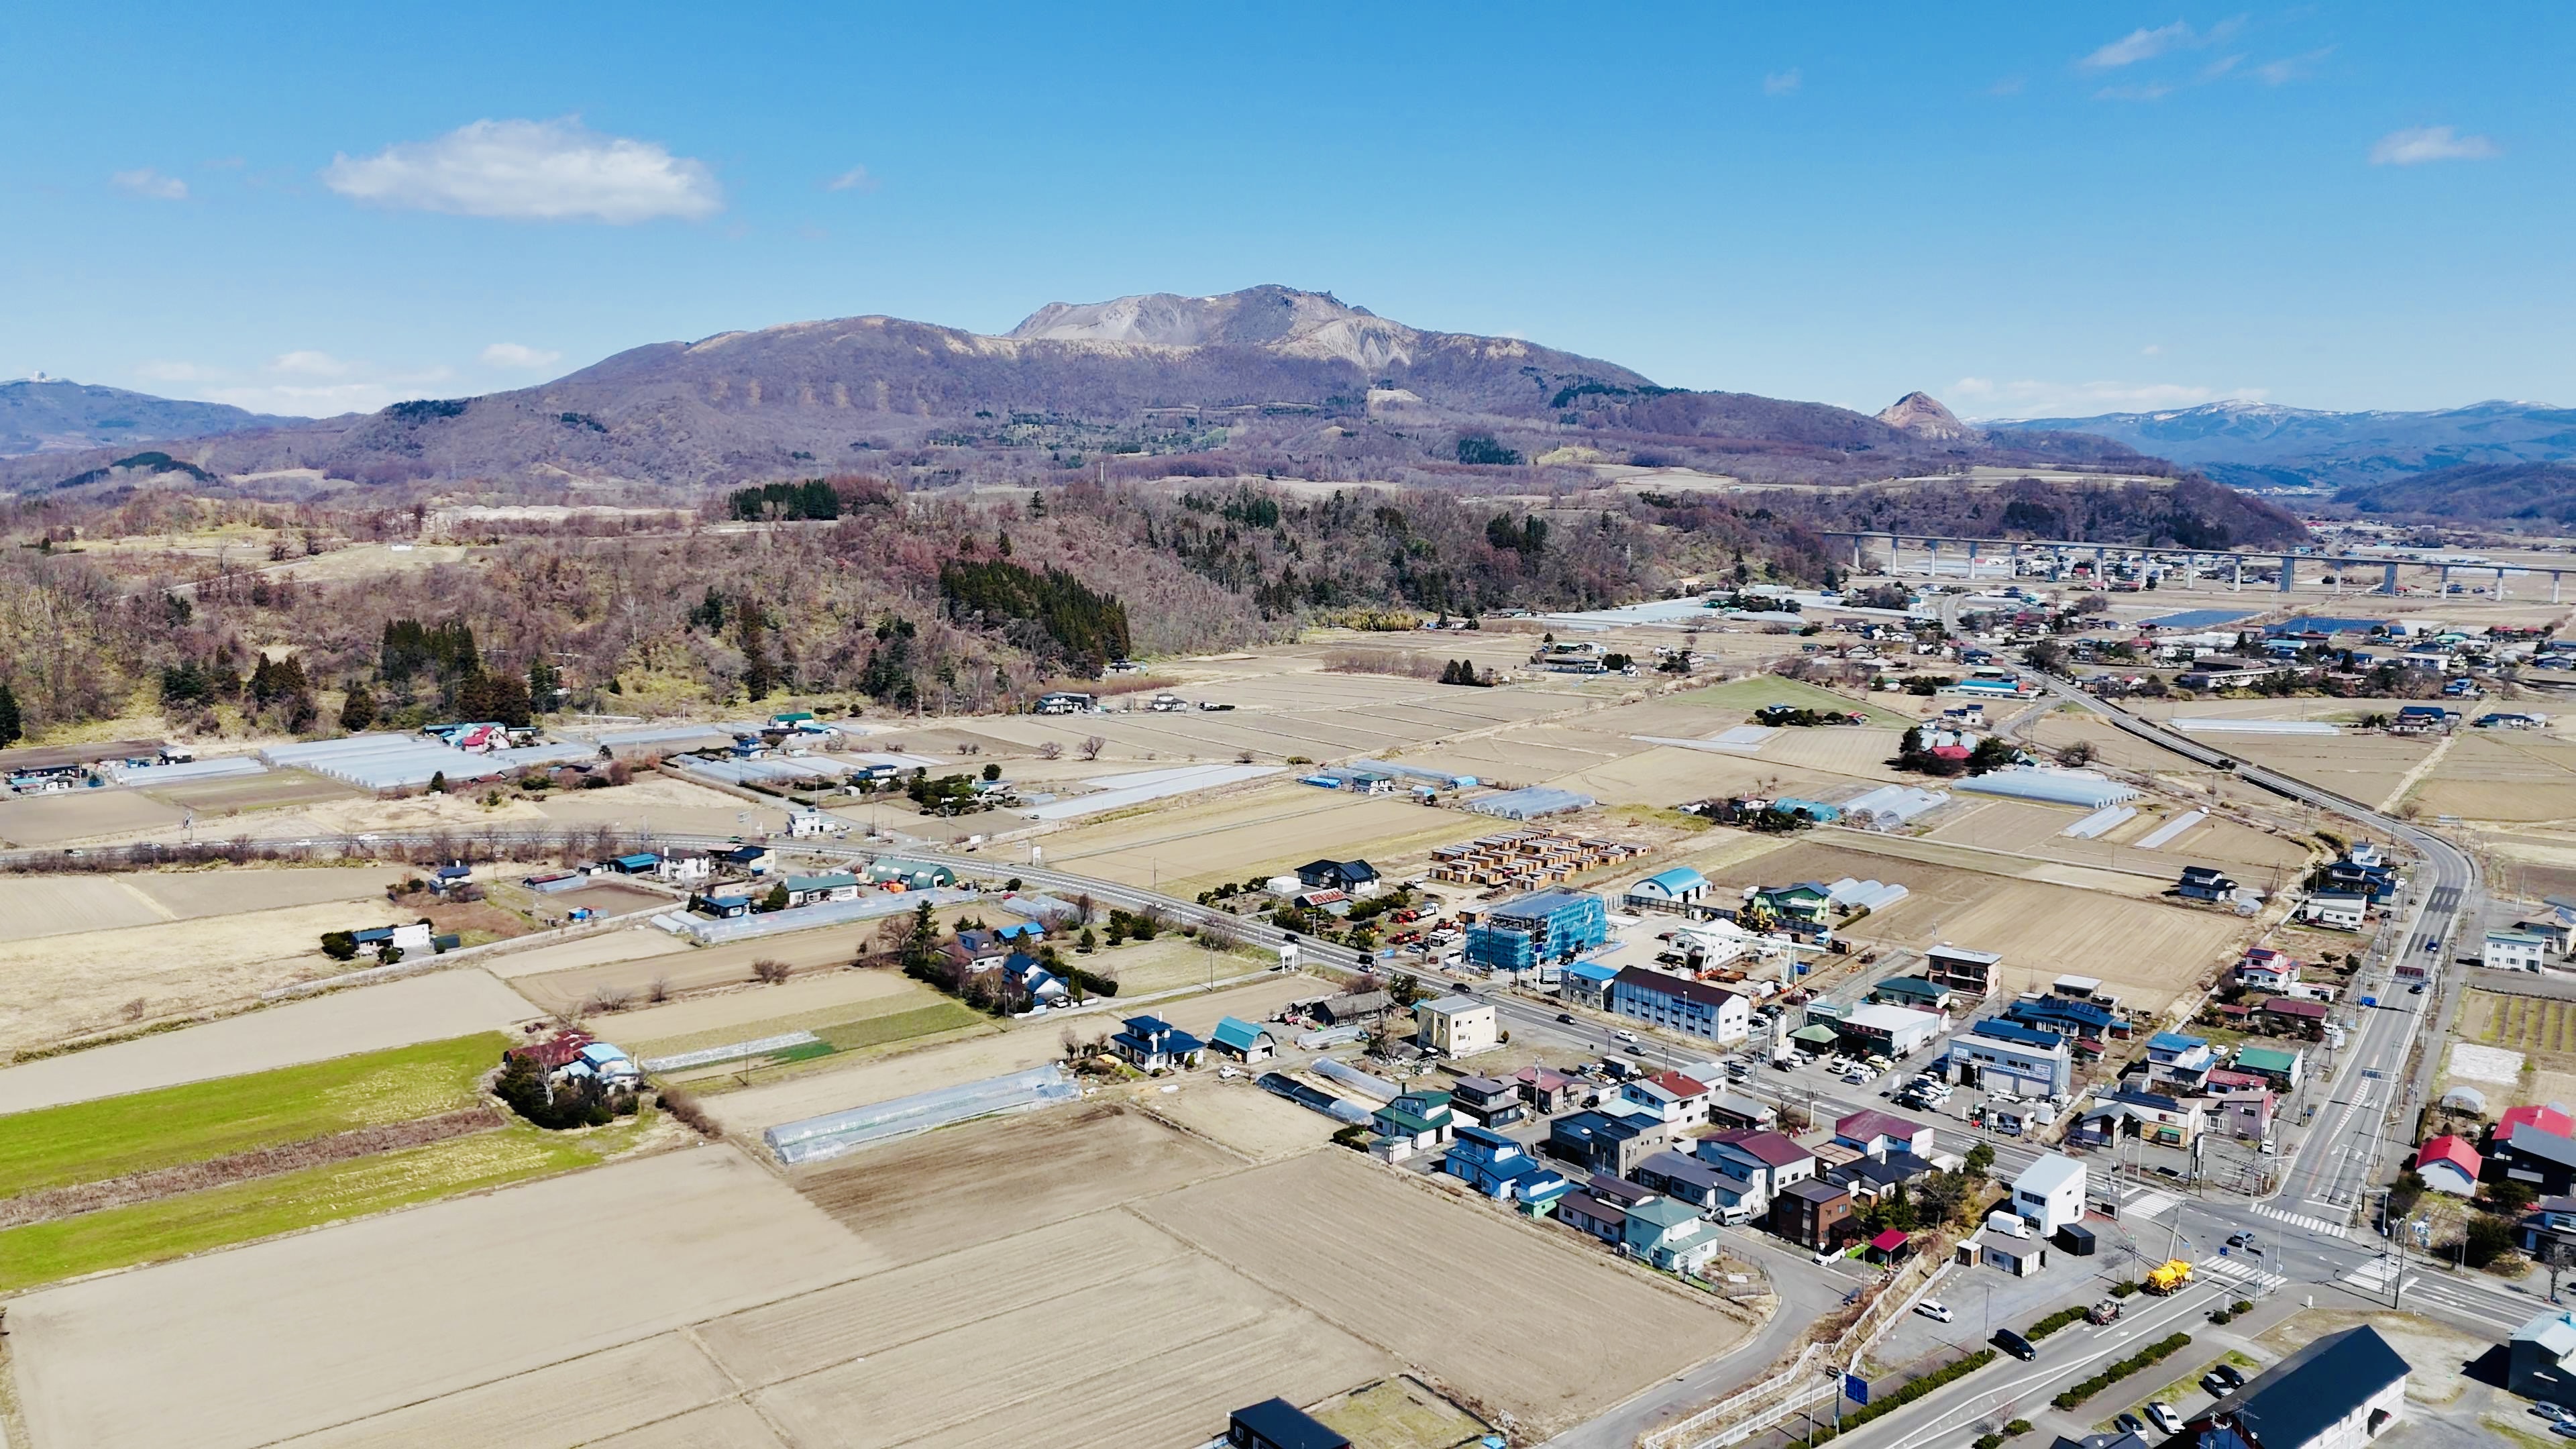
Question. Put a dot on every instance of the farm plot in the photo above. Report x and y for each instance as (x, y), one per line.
(1460, 1285)
(434, 1007)
(1861, 753)
(1098, 1154)
(58, 905)
(28, 821)
(697, 1234)
(2364, 767)
(2540, 1030)
(1243, 1118)
(948, 1064)
(2488, 775)
(632, 943)
(2148, 952)
(274, 790)
(1662, 775)
(2110, 745)
(723, 1017)
(1191, 847)
(611, 898)
(686, 970)
(59, 987)
(55, 905)
(1754, 691)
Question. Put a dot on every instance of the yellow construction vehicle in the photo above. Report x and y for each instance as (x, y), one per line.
(2171, 1276)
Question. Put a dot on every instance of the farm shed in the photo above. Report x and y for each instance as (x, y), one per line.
(1530, 803)
(910, 874)
(1891, 806)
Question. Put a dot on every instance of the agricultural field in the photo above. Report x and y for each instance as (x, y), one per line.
(217, 799)
(1743, 696)
(698, 1234)
(2364, 767)
(605, 948)
(2532, 866)
(662, 803)
(56, 988)
(432, 1007)
(1243, 1118)
(2022, 828)
(58, 905)
(1459, 1286)
(688, 969)
(2542, 1030)
(1190, 847)
(748, 1111)
(2501, 775)
(30, 821)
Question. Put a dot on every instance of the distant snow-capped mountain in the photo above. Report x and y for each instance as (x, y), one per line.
(2264, 444)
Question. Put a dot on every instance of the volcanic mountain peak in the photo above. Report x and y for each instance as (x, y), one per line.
(1922, 414)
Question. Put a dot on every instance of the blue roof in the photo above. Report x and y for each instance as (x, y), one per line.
(2062, 1009)
(1542, 903)
(640, 860)
(1680, 878)
(2002, 1030)
(1592, 971)
(1147, 1025)
(2173, 1041)
(600, 1052)
(1236, 1034)
(1483, 1136)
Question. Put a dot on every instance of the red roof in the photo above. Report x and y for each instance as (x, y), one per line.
(2285, 1006)
(1771, 1149)
(1863, 1125)
(556, 1052)
(1950, 752)
(1889, 1241)
(2453, 1150)
(1679, 1085)
(2547, 1119)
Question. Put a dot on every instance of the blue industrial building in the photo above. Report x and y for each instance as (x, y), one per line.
(1549, 926)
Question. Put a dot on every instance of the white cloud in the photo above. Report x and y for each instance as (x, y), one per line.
(2140, 44)
(2153, 92)
(160, 370)
(2418, 144)
(2151, 349)
(145, 181)
(309, 364)
(2220, 67)
(2010, 85)
(533, 170)
(2291, 67)
(512, 354)
(320, 400)
(1781, 83)
(856, 178)
(1981, 398)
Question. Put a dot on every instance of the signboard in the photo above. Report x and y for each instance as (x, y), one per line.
(1856, 1389)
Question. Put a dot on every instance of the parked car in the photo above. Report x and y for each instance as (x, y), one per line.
(1935, 1309)
(2016, 1345)
(2166, 1419)
(2549, 1411)
(2129, 1422)
(1824, 1256)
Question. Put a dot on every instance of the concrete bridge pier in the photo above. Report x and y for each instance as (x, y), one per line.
(1933, 569)
(2289, 572)
(2238, 586)
(2499, 584)
(2446, 581)
(2553, 586)
(2388, 580)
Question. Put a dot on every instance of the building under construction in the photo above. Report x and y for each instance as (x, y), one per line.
(1526, 859)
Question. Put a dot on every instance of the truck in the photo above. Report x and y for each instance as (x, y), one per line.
(2106, 1311)
(2169, 1278)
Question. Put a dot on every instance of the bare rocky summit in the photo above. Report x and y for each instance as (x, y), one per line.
(1922, 414)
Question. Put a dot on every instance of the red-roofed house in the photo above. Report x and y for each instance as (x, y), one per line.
(2449, 1164)
(2552, 1119)
(1889, 1247)
(1691, 1096)
(2265, 969)
(1875, 1134)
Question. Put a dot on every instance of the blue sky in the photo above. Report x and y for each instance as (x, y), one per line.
(2024, 210)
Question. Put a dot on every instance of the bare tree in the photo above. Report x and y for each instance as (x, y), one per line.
(660, 990)
(1220, 935)
(605, 1000)
(769, 970)
(1092, 745)
(1051, 750)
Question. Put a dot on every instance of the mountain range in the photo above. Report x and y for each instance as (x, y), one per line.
(2359, 457)
(1269, 378)
(50, 415)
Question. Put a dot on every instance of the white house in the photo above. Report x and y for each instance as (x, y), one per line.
(2049, 1194)
(2516, 950)
(1455, 1026)
(815, 822)
(2265, 969)
(2342, 912)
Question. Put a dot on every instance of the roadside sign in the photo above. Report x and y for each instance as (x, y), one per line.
(1856, 1389)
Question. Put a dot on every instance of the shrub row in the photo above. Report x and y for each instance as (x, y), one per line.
(2153, 1353)
(2228, 1313)
(2052, 1323)
(2124, 1288)
(1996, 1439)
(1913, 1389)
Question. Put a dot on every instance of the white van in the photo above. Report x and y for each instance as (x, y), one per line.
(2011, 1225)
(1735, 1216)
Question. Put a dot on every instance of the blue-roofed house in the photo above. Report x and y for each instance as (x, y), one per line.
(1586, 983)
(642, 862)
(2066, 1016)
(2343, 1389)
(1242, 1040)
(1151, 1044)
(2176, 1060)
(1278, 1424)
(1670, 890)
(1913, 991)
(1501, 1168)
(724, 906)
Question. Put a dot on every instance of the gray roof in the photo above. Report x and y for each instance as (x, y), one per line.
(2545, 1146)
(2294, 1401)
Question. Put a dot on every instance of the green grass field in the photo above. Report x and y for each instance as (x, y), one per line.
(1754, 691)
(174, 1227)
(94, 1141)
(943, 1015)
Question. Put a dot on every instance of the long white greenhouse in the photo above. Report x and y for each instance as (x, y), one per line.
(2050, 786)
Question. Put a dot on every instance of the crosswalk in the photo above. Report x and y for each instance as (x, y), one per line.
(2373, 1276)
(2147, 1205)
(2242, 1276)
(2303, 1221)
